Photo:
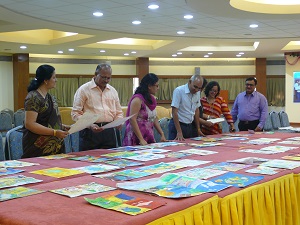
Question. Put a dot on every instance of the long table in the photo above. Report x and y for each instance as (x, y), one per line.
(273, 200)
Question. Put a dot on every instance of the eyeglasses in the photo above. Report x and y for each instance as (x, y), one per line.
(213, 91)
(104, 78)
(251, 85)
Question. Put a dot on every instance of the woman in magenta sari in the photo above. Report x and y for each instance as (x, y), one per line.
(139, 129)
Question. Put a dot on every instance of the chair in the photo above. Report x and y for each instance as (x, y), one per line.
(275, 120)
(164, 124)
(66, 117)
(2, 153)
(284, 119)
(5, 123)
(13, 144)
(72, 142)
(268, 124)
(19, 117)
(10, 112)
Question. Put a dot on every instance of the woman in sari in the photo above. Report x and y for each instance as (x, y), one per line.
(43, 134)
(139, 129)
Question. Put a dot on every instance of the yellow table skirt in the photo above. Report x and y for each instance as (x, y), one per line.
(275, 202)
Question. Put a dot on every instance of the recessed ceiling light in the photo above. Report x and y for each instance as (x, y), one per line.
(179, 53)
(253, 26)
(60, 52)
(98, 14)
(153, 6)
(180, 32)
(136, 22)
(71, 49)
(126, 53)
(23, 47)
(206, 56)
(102, 50)
(174, 55)
(188, 17)
(241, 53)
(210, 53)
(133, 52)
(238, 55)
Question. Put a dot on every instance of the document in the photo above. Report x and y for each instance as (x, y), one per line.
(217, 120)
(117, 122)
(86, 120)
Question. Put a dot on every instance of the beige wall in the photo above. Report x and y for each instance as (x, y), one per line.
(6, 85)
(292, 109)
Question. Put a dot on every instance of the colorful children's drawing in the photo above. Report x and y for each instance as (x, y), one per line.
(177, 155)
(206, 144)
(198, 151)
(173, 186)
(236, 180)
(227, 166)
(292, 157)
(83, 189)
(264, 170)
(280, 163)
(57, 172)
(124, 175)
(124, 203)
(269, 152)
(17, 192)
(88, 158)
(249, 160)
(122, 163)
(98, 168)
(16, 163)
(58, 156)
(165, 144)
(146, 157)
(17, 180)
(160, 168)
(188, 162)
(8, 171)
(201, 173)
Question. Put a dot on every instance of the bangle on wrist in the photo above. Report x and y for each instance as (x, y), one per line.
(54, 133)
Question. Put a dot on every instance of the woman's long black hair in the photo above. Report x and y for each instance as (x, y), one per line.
(148, 79)
(43, 72)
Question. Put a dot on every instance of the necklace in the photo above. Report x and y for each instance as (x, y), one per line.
(42, 93)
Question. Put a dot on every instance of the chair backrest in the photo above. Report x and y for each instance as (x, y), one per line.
(10, 112)
(268, 124)
(19, 117)
(5, 123)
(13, 144)
(284, 119)
(72, 142)
(275, 120)
(66, 117)
(164, 124)
(2, 153)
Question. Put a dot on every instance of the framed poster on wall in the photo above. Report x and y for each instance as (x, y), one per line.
(296, 91)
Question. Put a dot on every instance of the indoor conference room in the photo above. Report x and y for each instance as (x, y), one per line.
(179, 112)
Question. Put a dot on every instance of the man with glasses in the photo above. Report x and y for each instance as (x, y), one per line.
(251, 107)
(185, 109)
(98, 97)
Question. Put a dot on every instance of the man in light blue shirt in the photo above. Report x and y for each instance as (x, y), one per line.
(251, 107)
(185, 109)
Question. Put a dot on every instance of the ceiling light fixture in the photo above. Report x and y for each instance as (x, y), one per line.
(188, 17)
(98, 14)
(241, 53)
(180, 32)
(179, 53)
(71, 49)
(206, 56)
(102, 50)
(133, 52)
(174, 55)
(136, 22)
(23, 47)
(238, 55)
(153, 6)
(210, 53)
(253, 26)
(60, 52)
(126, 53)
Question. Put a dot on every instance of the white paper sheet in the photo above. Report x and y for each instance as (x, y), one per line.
(117, 122)
(86, 120)
(217, 120)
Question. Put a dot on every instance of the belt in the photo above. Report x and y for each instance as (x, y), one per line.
(247, 122)
(102, 124)
(185, 124)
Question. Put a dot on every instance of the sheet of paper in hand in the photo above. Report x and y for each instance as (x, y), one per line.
(86, 120)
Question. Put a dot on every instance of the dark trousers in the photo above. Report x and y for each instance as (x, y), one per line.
(248, 125)
(108, 138)
(187, 130)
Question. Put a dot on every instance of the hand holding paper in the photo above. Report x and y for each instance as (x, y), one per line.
(86, 120)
